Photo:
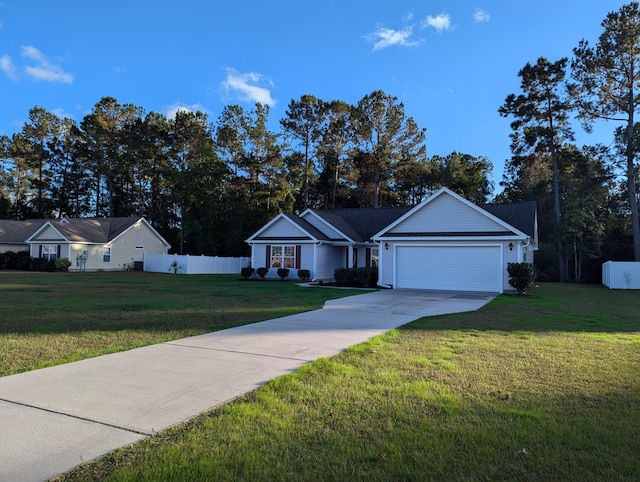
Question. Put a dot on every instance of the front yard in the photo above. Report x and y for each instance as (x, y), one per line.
(52, 318)
(542, 387)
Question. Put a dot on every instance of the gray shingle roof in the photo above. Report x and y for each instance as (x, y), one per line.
(361, 224)
(521, 216)
(17, 232)
(81, 230)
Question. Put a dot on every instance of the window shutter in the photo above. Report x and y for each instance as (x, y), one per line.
(58, 254)
(298, 255)
(267, 263)
(39, 251)
(367, 261)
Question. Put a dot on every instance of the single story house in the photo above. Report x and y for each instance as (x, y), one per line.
(91, 244)
(444, 243)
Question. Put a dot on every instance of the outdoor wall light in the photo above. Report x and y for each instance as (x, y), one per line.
(510, 246)
(386, 246)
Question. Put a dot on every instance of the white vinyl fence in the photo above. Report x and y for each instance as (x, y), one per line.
(185, 264)
(621, 275)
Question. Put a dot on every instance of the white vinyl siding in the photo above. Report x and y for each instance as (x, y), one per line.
(329, 258)
(446, 214)
(282, 228)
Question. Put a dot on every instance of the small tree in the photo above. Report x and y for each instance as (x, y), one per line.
(247, 272)
(262, 272)
(283, 273)
(304, 274)
(521, 276)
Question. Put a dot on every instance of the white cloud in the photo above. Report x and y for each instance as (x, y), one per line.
(173, 109)
(387, 37)
(6, 65)
(481, 16)
(43, 68)
(441, 23)
(247, 87)
(61, 113)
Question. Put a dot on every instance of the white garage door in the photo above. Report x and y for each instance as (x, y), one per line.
(460, 268)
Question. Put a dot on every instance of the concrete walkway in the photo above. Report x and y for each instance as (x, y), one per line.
(56, 418)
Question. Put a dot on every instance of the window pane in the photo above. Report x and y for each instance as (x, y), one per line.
(289, 263)
(290, 251)
(276, 251)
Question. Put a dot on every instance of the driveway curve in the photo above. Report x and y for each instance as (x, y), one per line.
(56, 418)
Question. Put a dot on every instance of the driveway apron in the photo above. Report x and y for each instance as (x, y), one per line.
(56, 418)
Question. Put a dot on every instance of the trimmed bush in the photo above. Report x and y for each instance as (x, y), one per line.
(247, 272)
(304, 274)
(340, 275)
(365, 277)
(13, 260)
(283, 273)
(262, 272)
(521, 276)
(62, 264)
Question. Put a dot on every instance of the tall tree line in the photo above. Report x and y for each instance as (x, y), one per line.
(587, 196)
(206, 186)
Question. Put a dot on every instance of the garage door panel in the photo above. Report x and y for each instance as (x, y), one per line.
(464, 268)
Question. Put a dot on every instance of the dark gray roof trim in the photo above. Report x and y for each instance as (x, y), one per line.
(449, 234)
(283, 238)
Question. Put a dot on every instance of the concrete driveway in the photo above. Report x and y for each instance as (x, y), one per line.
(56, 418)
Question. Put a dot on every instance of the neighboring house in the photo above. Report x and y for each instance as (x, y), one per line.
(445, 243)
(91, 244)
(13, 234)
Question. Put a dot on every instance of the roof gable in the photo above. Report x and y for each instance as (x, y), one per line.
(47, 233)
(17, 232)
(287, 228)
(448, 214)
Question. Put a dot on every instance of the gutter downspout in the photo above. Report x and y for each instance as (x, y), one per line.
(380, 249)
(315, 260)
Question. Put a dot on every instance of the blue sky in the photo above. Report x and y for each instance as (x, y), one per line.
(451, 63)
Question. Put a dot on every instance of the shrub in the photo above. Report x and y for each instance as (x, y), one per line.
(41, 264)
(367, 277)
(62, 264)
(13, 260)
(283, 273)
(247, 272)
(521, 276)
(340, 275)
(304, 274)
(262, 272)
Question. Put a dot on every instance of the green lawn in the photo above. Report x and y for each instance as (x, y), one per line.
(538, 388)
(52, 318)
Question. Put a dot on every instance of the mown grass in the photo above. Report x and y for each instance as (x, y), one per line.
(52, 318)
(538, 388)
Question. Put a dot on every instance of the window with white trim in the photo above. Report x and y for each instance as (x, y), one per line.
(106, 254)
(49, 252)
(375, 258)
(283, 256)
